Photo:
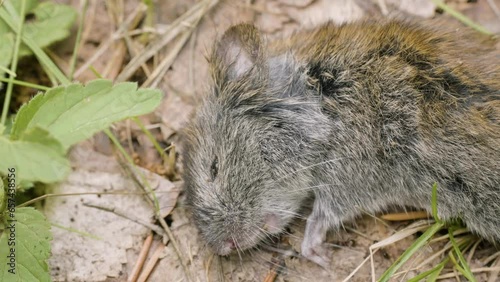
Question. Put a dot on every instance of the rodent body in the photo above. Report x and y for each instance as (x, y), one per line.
(359, 117)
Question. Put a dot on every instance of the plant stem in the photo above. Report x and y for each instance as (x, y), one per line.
(131, 162)
(151, 138)
(13, 66)
(24, 83)
(465, 269)
(39, 53)
(72, 63)
(4, 69)
(461, 17)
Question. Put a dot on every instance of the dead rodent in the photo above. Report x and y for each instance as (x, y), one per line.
(357, 117)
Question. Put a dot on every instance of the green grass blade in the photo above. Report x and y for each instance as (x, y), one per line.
(465, 269)
(434, 203)
(461, 17)
(131, 162)
(8, 71)
(422, 240)
(76, 231)
(72, 63)
(431, 274)
(151, 138)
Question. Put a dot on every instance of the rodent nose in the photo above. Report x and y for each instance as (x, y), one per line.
(231, 244)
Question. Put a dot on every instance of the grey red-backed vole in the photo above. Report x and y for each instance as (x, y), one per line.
(357, 117)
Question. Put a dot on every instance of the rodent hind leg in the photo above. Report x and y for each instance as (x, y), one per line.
(312, 246)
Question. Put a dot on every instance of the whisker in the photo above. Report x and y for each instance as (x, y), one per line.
(266, 233)
(316, 186)
(281, 268)
(237, 245)
(286, 233)
(288, 253)
(295, 214)
(308, 167)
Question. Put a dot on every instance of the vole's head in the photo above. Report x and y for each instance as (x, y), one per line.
(248, 145)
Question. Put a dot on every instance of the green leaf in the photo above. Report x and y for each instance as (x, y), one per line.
(37, 156)
(434, 203)
(31, 250)
(75, 112)
(51, 22)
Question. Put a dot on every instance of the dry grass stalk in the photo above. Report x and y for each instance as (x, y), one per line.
(103, 47)
(406, 216)
(175, 29)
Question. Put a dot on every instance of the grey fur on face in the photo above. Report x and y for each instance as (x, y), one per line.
(356, 117)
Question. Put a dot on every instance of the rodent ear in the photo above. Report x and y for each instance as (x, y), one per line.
(239, 50)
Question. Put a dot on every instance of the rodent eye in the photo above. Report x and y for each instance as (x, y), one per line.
(214, 168)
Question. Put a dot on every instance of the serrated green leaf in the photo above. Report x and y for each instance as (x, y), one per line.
(52, 69)
(75, 112)
(32, 247)
(39, 135)
(37, 156)
(30, 5)
(51, 23)
(16, 5)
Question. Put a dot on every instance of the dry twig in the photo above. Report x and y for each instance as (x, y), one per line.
(141, 259)
(151, 263)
